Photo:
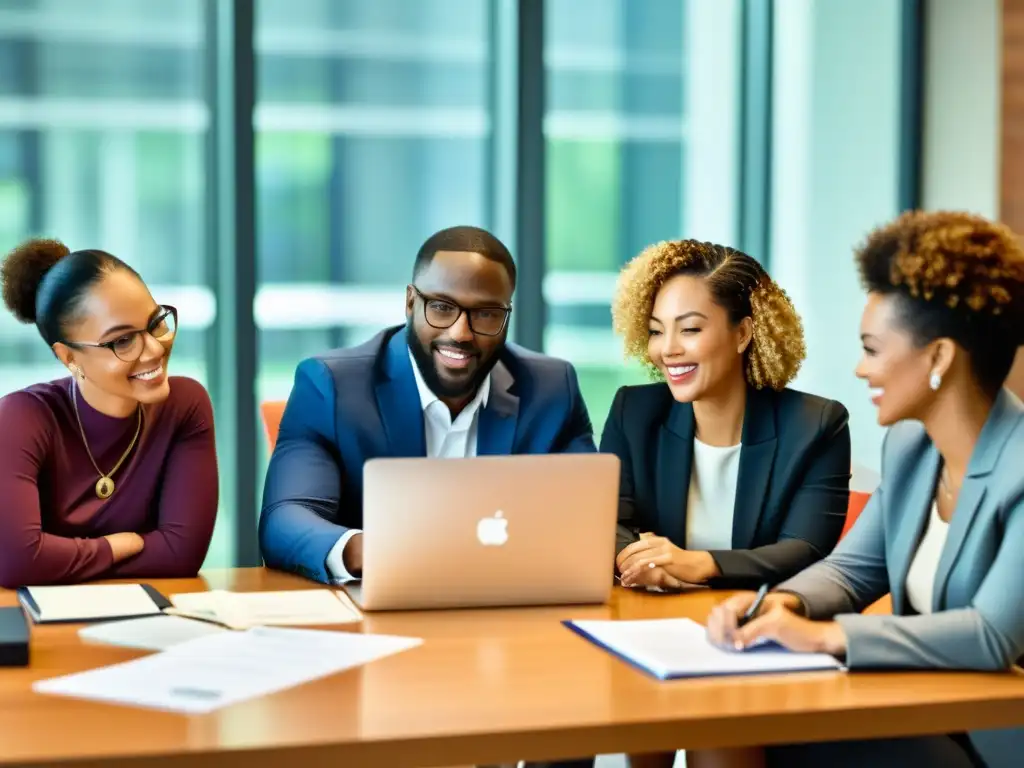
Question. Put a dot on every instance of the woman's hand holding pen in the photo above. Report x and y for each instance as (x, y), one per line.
(776, 619)
(640, 562)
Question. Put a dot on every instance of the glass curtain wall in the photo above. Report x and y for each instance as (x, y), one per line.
(642, 132)
(378, 123)
(103, 130)
(374, 130)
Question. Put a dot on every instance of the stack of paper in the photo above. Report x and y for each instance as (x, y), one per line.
(242, 610)
(151, 633)
(211, 672)
(674, 648)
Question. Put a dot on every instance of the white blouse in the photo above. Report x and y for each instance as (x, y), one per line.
(712, 496)
(925, 565)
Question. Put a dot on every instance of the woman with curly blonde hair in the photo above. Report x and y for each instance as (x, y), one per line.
(944, 532)
(729, 478)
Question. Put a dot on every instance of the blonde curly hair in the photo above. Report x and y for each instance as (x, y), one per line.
(958, 276)
(737, 283)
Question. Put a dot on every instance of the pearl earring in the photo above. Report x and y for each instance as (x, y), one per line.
(935, 381)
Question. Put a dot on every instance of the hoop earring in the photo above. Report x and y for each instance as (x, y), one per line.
(935, 381)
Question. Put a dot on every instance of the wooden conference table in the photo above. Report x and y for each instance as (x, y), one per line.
(487, 686)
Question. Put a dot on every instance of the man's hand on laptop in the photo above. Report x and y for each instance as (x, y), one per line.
(353, 555)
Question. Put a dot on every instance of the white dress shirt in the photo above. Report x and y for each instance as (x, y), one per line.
(925, 565)
(712, 496)
(446, 439)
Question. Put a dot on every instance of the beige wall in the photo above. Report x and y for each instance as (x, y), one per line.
(1012, 137)
(973, 153)
(962, 58)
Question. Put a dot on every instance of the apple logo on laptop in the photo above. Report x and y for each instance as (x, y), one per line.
(493, 531)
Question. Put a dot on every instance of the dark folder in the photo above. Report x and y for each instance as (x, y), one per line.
(13, 638)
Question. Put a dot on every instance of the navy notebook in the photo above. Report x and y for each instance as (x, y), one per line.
(669, 649)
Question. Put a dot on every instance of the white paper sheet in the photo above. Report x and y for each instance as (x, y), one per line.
(92, 601)
(242, 610)
(151, 633)
(211, 672)
(670, 648)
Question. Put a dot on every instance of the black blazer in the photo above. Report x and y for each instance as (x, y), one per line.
(791, 494)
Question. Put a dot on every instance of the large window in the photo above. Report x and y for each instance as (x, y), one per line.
(374, 130)
(641, 146)
(836, 175)
(102, 145)
(378, 122)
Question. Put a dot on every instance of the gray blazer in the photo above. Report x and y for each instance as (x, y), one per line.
(978, 619)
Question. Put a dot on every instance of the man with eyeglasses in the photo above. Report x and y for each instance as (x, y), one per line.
(448, 385)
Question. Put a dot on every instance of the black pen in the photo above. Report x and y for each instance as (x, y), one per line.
(754, 607)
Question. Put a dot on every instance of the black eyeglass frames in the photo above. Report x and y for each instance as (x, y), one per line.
(443, 313)
(129, 345)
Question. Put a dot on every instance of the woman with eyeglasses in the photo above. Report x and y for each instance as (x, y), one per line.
(112, 471)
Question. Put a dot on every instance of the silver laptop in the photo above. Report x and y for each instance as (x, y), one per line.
(488, 531)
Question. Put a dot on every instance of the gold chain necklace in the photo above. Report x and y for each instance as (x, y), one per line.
(105, 485)
(944, 482)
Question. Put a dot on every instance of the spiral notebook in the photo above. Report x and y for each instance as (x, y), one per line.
(669, 649)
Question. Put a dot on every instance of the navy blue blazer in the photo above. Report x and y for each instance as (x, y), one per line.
(352, 405)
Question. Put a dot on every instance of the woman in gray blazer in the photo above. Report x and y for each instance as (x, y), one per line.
(944, 532)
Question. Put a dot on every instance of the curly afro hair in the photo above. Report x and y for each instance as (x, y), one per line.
(955, 275)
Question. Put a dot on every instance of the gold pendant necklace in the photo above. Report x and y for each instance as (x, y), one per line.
(945, 485)
(105, 485)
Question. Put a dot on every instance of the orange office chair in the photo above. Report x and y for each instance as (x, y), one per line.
(272, 411)
(858, 500)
